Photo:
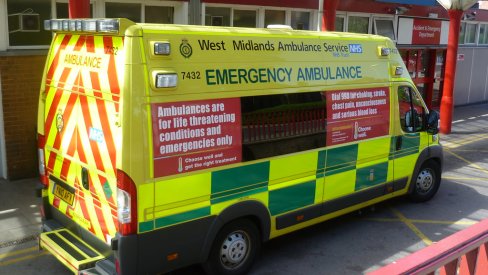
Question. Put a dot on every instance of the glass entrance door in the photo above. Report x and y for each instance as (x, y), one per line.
(440, 57)
(426, 67)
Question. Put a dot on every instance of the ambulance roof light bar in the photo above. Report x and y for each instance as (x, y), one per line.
(83, 25)
(108, 25)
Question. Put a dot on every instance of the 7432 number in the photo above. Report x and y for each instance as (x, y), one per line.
(191, 75)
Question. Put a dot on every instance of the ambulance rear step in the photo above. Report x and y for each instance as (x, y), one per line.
(70, 250)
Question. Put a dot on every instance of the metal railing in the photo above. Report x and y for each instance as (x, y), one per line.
(465, 252)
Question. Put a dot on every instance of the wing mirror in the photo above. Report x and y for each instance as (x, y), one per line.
(433, 122)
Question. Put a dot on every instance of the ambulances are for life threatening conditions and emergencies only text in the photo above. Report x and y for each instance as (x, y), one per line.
(162, 146)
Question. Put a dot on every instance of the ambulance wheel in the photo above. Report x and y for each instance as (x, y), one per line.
(234, 249)
(427, 182)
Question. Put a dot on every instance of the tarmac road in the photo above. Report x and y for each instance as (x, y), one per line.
(353, 244)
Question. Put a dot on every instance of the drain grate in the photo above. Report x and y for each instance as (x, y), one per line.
(19, 241)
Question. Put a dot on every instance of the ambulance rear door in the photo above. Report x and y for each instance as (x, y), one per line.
(84, 80)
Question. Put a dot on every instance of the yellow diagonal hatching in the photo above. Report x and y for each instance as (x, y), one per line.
(455, 143)
(468, 162)
(412, 227)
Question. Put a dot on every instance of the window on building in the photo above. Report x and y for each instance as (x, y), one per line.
(274, 17)
(462, 33)
(483, 37)
(339, 23)
(62, 10)
(470, 33)
(215, 16)
(281, 124)
(25, 22)
(130, 11)
(358, 24)
(300, 20)
(158, 14)
(384, 26)
(245, 18)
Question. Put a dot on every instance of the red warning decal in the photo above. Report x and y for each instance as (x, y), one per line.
(189, 136)
(357, 114)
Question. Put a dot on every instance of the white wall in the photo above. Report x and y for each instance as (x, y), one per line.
(471, 83)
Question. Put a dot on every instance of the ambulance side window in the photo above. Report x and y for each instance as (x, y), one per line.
(412, 113)
(282, 124)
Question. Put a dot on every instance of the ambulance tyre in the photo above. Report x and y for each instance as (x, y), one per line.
(426, 182)
(234, 249)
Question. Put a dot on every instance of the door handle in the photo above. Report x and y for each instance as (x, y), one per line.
(399, 142)
(84, 178)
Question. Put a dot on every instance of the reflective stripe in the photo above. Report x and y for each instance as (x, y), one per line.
(339, 172)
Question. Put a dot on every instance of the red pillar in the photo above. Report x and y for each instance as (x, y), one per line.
(329, 16)
(79, 8)
(450, 70)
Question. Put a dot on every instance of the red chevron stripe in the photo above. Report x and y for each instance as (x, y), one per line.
(90, 44)
(107, 132)
(102, 112)
(67, 162)
(112, 74)
(101, 221)
(57, 97)
(115, 90)
(54, 63)
(88, 123)
(112, 70)
(96, 199)
(69, 210)
(79, 44)
(82, 203)
(69, 107)
(94, 145)
(66, 116)
(96, 156)
(99, 212)
(81, 195)
(96, 85)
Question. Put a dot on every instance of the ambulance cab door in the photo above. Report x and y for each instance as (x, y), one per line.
(410, 137)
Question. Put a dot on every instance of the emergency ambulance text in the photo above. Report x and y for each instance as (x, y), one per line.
(280, 75)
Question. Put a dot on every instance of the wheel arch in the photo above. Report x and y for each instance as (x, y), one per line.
(253, 210)
(434, 153)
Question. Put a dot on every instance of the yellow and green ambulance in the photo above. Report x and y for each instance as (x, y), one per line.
(162, 146)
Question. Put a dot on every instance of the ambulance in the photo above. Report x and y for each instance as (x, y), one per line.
(163, 146)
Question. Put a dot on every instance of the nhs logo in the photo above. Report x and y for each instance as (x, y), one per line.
(355, 48)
